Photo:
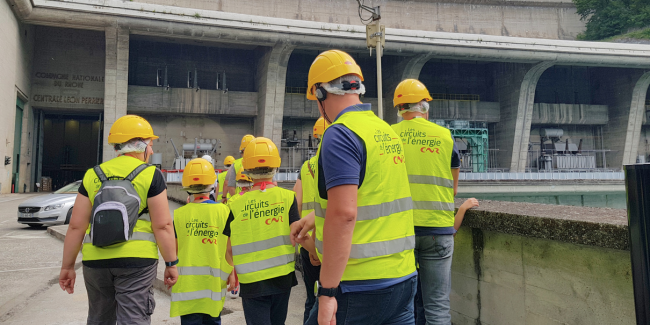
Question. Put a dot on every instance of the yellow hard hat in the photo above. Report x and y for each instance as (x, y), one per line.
(243, 177)
(328, 66)
(229, 161)
(245, 141)
(198, 172)
(410, 91)
(319, 127)
(130, 127)
(261, 152)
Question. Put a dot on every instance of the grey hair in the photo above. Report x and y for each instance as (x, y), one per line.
(421, 107)
(336, 86)
(137, 145)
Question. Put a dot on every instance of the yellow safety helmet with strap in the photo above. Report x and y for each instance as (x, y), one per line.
(410, 91)
(319, 127)
(328, 66)
(198, 172)
(245, 141)
(228, 161)
(130, 127)
(261, 152)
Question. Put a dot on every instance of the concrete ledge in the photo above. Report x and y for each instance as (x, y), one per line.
(600, 227)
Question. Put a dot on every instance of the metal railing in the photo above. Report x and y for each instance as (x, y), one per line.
(460, 97)
(586, 160)
(598, 175)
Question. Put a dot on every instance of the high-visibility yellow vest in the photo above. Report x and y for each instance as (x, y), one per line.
(143, 243)
(221, 179)
(428, 148)
(259, 235)
(384, 238)
(308, 185)
(202, 267)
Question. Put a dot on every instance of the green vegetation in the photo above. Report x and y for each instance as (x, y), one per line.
(607, 18)
(643, 34)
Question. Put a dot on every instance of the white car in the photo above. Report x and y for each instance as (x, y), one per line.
(49, 209)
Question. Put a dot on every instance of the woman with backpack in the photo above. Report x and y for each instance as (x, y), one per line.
(120, 220)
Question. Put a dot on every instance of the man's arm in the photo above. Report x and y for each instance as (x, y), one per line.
(163, 230)
(231, 178)
(455, 172)
(460, 215)
(298, 189)
(339, 224)
(79, 221)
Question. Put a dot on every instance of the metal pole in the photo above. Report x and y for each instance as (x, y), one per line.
(380, 104)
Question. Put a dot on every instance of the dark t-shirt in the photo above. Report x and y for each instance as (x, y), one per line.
(270, 286)
(158, 185)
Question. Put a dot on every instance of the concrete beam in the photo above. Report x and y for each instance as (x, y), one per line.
(516, 84)
(271, 82)
(171, 21)
(406, 68)
(624, 92)
(635, 121)
(116, 82)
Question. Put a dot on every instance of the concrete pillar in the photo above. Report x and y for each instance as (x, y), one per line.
(271, 80)
(116, 82)
(516, 84)
(404, 68)
(624, 92)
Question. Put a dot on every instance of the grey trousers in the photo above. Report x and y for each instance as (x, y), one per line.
(120, 295)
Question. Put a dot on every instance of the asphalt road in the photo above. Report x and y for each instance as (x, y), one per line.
(31, 260)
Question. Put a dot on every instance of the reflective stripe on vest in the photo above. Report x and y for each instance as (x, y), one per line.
(261, 245)
(378, 248)
(433, 205)
(264, 264)
(431, 180)
(193, 295)
(383, 239)
(309, 206)
(370, 212)
(136, 236)
(203, 270)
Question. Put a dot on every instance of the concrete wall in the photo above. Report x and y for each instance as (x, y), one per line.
(143, 100)
(544, 113)
(16, 42)
(644, 143)
(555, 19)
(183, 129)
(465, 110)
(508, 279)
(68, 69)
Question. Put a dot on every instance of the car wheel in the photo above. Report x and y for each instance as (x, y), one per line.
(35, 225)
(67, 217)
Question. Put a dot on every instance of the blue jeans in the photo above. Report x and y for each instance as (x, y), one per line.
(433, 253)
(393, 305)
(200, 319)
(310, 275)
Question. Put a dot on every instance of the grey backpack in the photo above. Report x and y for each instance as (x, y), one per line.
(115, 209)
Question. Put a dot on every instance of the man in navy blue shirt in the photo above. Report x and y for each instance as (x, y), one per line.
(368, 270)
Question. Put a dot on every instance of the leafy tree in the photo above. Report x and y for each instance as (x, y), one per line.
(606, 18)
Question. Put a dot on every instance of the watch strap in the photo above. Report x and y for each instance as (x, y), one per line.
(328, 292)
(171, 263)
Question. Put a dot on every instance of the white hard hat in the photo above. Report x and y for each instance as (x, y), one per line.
(208, 158)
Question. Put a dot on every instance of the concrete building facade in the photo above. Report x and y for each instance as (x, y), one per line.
(216, 70)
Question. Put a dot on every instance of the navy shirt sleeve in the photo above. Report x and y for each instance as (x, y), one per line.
(343, 157)
(455, 156)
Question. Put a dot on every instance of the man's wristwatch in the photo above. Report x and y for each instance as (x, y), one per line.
(172, 263)
(328, 292)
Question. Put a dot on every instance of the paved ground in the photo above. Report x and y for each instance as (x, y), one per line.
(30, 268)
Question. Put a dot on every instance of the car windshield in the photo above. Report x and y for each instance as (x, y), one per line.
(71, 188)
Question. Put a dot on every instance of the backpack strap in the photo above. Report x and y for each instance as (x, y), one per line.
(100, 173)
(136, 172)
